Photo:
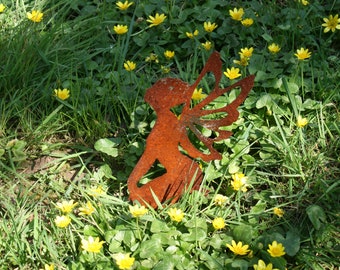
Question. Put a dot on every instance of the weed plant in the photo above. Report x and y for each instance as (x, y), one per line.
(73, 124)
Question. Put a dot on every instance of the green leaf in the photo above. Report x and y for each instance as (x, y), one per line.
(257, 209)
(211, 262)
(267, 37)
(243, 233)
(264, 101)
(196, 223)
(233, 167)
(107, 146)
(195, 234)
(105, 170)
(165, 264)
(241, 145)
(291, 243)
(19, 145)
(90, 231)
(217, 242)
(159, 226)
(150, 247)
(316, 215)
(19, 155)
(248, 159)
(241, 264)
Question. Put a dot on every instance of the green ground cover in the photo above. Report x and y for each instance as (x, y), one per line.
(73, 124)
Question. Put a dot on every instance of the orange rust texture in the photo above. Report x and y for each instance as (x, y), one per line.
(170, 132)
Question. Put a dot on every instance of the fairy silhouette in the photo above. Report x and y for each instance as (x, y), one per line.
(169, 143)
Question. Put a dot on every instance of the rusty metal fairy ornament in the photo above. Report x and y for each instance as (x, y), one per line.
(168, 142)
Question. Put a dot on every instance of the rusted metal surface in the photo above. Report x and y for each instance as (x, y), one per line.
(170, 134)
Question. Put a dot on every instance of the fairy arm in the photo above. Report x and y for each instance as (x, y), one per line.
(193, 152)
(142, 167)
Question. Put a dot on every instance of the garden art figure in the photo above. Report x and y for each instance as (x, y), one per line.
(168, 143)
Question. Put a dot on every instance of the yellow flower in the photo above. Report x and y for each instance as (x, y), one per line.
(62, 221)
(165, 70)
(209, 27)
(123, 6)
(124, 261)
(220, 199)
(261, 265)
(176, 214)
(274, 48)
(207, 45)
(192, 35)
(278, 211)
(240, 182)
(169, 54)
(129, 65)
(152, 58)
(331, 23)
(242, 62)
(35, 16)
(276, 250)
(302, 54)
(96, 191)
(137, 211)
(239, 248)
(88, 209)
(232, 73)
(66, 206)
(301, 122)
(247, 22)
(304, 2)
(246, 52)
(157, 20)
(62, 94)
(197, 94)
(236, 14)
(48, 267)
(2, 8)
(218, 223)
(92, 244)
(120, 29)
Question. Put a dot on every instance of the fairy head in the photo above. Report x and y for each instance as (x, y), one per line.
(167, 93)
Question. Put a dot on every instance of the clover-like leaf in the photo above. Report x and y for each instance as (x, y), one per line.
(316, 215)
(291, 243)
(107, 146)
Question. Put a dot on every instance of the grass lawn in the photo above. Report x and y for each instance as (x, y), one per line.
(73, 125)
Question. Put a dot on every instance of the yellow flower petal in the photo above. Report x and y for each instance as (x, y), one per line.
(62, 221)
(62, 94)
(276, 250)
(157, 20)
(197, 94)
(209, 27)
(218, 223)
(302, 54)
(232, 73)
(137, 211)
(66, 206)
(124, 261)
(120, 29)
(176, 214)
(236, 14)
(129, 65)
(123, 6)
(239, 248)
(35, 16)
(92, 244)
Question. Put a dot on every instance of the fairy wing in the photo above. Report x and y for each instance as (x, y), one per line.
(199, 116)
